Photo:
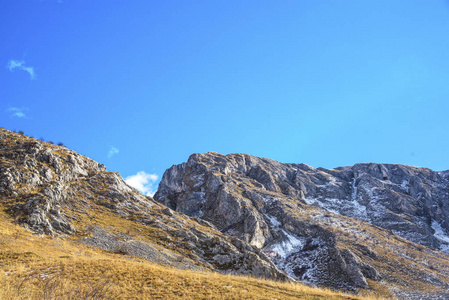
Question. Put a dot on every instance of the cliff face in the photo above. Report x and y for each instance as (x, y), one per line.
(335, 227)
(55, 191)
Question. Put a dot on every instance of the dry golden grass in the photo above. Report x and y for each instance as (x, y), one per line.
(33, 267)
(41, 267)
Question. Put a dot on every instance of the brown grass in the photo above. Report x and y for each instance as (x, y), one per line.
(33, 267)
(41, 267)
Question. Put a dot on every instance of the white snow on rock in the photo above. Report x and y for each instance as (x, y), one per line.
(270, 200)
(405, 185)
(199, 180)
(441, 235)
(275, 222)
(341, 206)
(287, 245)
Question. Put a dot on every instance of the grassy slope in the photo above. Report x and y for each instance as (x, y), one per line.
(33, 267)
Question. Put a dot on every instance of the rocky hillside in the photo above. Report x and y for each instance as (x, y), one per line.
(378, 226)
(373, 227)
(55, 191)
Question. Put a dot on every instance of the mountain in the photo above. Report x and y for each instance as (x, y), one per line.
(55, 191)
(368, 226)
(67, 224)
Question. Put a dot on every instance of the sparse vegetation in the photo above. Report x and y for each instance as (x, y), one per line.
(66, 269)
(121, 248)
(34, 267)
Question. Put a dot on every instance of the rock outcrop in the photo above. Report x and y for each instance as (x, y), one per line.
(55, 191)
(320, 226)
(369, 226)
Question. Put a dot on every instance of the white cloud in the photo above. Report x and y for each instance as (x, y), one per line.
(113, 151)
(143, 182)
(20, 64)
(17, 112)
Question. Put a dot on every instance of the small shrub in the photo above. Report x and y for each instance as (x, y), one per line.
(57, 286)
(16, 235)
(49, 286)
(90, 229)
(98, 290)
(121, 248)
(60, 144)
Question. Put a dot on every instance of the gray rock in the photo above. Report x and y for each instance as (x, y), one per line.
(351, 266)
(289, 211)
(48, 187)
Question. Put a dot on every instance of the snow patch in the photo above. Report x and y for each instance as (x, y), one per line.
(312, 201)
(342, 207)
(199, 180)
(441, 235)
(404, 185)
(270, 200)
(275, 222)
(288, 245)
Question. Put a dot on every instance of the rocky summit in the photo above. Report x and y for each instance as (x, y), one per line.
(55, 191)
(370, 226)
(378, 228)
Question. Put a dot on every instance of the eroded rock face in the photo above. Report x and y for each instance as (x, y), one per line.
(44, 181)
(294, 213)
(49, 188)
(412, 202)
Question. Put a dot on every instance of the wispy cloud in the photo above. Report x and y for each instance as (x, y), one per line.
(113, 151)
(17, 112)
(143, 182)
(20, 64)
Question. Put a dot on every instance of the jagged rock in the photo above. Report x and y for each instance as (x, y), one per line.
(369, 272)
(290, 211)
(47, 187)
(351, 266)
(168, 212)
(406, 200)
(339, 228)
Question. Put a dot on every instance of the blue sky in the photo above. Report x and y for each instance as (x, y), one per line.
(141, 85)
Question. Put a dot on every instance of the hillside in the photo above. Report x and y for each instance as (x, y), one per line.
(369, 226)
(70, 229)
(54, 191)
(45, 267)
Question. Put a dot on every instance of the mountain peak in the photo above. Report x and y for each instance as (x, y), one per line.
(367, 226)
(301, 216)
(52, 190)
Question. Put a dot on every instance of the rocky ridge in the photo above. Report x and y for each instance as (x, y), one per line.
(363, 226)
(369, 226)
(55, 191)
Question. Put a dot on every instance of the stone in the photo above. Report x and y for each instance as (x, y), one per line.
(290, 211)
(46, 187)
